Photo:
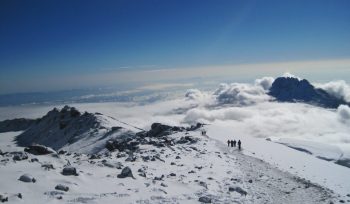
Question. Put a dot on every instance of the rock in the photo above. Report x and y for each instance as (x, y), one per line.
(19, 195)
(289, 89)
(238, 190)
(172, 174)
(27, 178)
(158, 130)
(19, 156)
(122, 143)
(38, 150)
(250, 181)
(34, 160)
(3, 199)
(62, 152)
(159, 178)
(47, 166)
(69, 171)
(204, 199)
(177, 157)
(95, 156)
(172, 163)
(164, 185)
(187, 139)
(126, 172)
(61, 187)
(146, 158)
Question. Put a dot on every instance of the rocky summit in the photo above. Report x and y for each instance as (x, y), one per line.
(290, 89)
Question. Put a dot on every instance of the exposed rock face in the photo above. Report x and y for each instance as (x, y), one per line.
(38, 150)
(288, 89)
(72, 130)
(158, 130)
(17, 124)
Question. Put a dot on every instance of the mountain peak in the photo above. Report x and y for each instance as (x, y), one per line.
(290, 89)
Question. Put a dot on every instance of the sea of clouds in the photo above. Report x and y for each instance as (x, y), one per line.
(246, 107)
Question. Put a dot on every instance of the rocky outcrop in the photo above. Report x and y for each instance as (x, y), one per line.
(126, 172)
(289, 89)
(38, 150)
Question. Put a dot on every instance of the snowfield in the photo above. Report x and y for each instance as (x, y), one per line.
(183, 173)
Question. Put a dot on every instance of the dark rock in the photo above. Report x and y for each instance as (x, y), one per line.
(95, 156)
(238, 190)
(195, 127)
(3, 199)
(164, 185)
(250, 181)
(289, 89)
(172, 163)
(177, 157)
(172, 174)
(159, 178)
(27, 178)
(38, 150)
(146, 158)
(69, 171)
(204, 199)
(19, 156)
(47, 166)
(62, 152)
(61, 187)
(122, 144)
(19, 195)
(34, 160)
(126, 172)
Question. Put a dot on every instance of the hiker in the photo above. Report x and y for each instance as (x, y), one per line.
(231, 143)
(228, 143)
(234, 143)
(239, 144)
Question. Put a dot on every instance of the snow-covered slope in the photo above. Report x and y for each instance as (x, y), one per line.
(71, 130)
(191, 169)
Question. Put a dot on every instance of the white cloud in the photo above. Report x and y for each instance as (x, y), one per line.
(339, 89)
(344, 113)
(265, 82)
(240, 94)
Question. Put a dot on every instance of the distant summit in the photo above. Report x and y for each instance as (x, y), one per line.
(74, 131)
(290, 89)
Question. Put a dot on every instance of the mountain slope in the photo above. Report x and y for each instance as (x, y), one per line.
(73, 131)
(289, 89)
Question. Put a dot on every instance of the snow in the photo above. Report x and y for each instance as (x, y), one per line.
(206, 168)
(328, 174)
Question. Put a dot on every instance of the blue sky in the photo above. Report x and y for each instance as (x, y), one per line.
(44, 41)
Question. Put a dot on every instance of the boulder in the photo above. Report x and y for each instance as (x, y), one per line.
(61, 187)
(38, 150)
(204, 199)
(126, 172)
(238, 190)
(69, 171)
(27, 178)
(19, 156)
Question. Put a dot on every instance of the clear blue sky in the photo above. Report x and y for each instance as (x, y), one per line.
(41, 39)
